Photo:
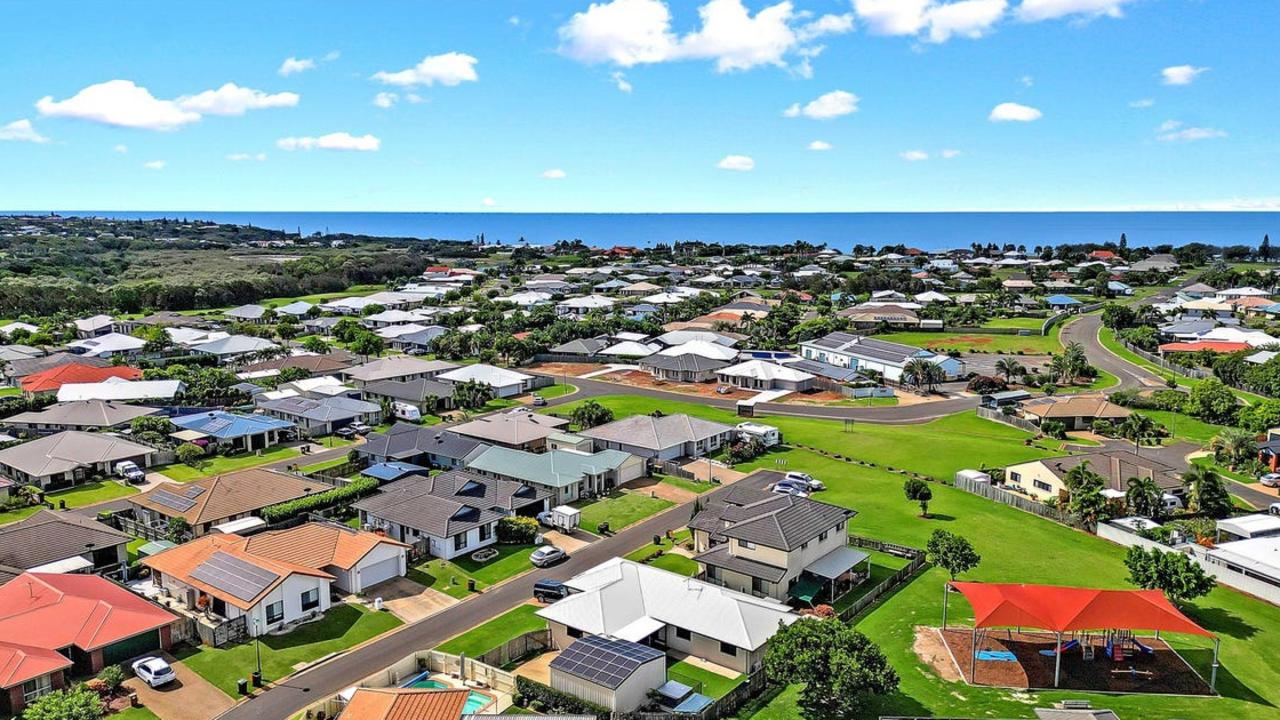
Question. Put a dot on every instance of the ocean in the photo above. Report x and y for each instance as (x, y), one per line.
(927, 231)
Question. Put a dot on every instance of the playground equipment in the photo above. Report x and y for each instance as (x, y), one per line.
(1064, 647)
(1122, 643)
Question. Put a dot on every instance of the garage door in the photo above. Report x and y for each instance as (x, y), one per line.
(379, 572)
(136, 645)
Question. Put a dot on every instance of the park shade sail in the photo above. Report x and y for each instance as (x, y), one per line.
(1070, 609)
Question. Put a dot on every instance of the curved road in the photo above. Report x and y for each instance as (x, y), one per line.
(1085, 331)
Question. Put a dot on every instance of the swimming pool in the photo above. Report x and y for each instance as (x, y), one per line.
(476, 701)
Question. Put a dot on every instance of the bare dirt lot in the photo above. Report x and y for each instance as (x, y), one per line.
(638, 378)
(566, 369)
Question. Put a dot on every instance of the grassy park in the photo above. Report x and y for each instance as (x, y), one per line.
(968, 342)
(90, 493)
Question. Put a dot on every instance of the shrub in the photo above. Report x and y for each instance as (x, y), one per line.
(985, 384)
(1054, 429)
(741, 452)
(515, 529)
(555, 702)
(112, 676)
(189, 454)
(321, 500)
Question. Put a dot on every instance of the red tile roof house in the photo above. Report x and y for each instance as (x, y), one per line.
(54, 378)
(52, 626)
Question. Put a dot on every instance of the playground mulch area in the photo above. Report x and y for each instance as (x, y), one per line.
(1164, 673)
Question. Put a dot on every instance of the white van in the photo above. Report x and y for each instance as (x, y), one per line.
(1170, 502)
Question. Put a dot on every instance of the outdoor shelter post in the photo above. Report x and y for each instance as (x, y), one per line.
(946, 587)
(1057, 659)
(1213, 672)
(973, 655)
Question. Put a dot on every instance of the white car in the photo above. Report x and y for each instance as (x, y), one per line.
(154, 671)
(783, 488)
(1270, 480)
(1274, 509)
(547, 555)
(813, 483)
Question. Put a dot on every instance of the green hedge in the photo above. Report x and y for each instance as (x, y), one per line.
(321, 500)
(517, 529)
(556, 702)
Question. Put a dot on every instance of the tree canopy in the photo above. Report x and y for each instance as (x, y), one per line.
(839, 667)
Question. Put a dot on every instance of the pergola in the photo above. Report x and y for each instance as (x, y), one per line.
(1070, 609)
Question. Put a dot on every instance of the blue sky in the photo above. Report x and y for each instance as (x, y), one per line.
(640, 105)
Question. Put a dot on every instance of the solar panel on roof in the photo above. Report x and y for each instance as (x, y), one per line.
(217, 425)
(233, 575)
(604, 661)
(193, 491)
(171, 501)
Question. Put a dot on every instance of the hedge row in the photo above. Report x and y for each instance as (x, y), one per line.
(321, 500)
(555, 702)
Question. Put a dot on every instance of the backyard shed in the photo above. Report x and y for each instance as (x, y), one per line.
(617, 674)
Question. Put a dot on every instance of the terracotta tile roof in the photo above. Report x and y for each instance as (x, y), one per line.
(1095, 406)
(400, 704)
(225, 496)
(179, 562)
(318, 545)
(41, 613)
(54, 378)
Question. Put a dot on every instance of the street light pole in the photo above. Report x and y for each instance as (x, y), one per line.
(257, 646)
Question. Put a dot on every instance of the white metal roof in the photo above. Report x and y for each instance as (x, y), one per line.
(487, 374)
(118, 389)
(766, 371)
(715, 351)
(1249, 526)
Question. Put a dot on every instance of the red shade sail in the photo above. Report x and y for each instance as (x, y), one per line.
(1067, 609)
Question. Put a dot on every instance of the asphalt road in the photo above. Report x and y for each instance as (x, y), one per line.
(339, 673)
(1085, 331)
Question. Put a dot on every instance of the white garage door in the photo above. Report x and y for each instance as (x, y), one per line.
(378, 572)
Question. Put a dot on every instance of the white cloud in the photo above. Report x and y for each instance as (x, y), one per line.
(1181, 74)
(820, 145)
(554, 174)
(231, 99)
(737, 163)
(514, 20)
(1014, 112)
(245, 157)
(949, 154)
(635, 32)
(825, 107)
(293, 65)
(1142, 103)
(154, 165)
(1176, 131)
(620, 81)
(121, 148)
(385, 99)
(1037, 10)
(1027, 81)
(448, 69)
(332, 55)
(892, 17)
(914, 155)
(967, 18)
(488, 202)
(332, 141)
(21, 131)
(120, 103)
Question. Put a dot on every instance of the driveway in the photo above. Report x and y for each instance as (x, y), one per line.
(409, 600)
(190, 697)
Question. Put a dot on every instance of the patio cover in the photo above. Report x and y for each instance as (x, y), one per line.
(639, 629)
(837, 562)
(806, 589)
(154, 547)
(693, 704)
(1068, 609)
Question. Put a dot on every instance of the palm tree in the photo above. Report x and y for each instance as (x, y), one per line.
(1136, 428)
(1234, 445)
(1143, 497)
(1206, 492)
(1010, 368)
(1060, 369)
(916, 372)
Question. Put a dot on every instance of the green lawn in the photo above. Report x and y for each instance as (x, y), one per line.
(1019, 547)
(620, 510)
(220, 464)
(1022, 323)
(138, 713)
(344, 626)
(704, 681)
(450, 576)
(10, 391)
(943, 341)
(79, 496)
(677, 564)
(694, 486)
(883, 565)
(1184, 427)
(314, 299)
(555, 391)
(483, 638)
(1107, 337)
(317, 467)
(132, 548)
(955, 442)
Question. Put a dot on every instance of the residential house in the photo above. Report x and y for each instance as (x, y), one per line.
(334, 361)
(687, 368)
(566, 474)
(49, 381)
(1199, 290)
(397, 367)
(640, 603)
(505, 383)
(207, 502)
(95, 326)
(418, 342)
(1160, 262)
(583, 347)
(450, 514)
(777, 546)
(888, 359)
(106, 346)
(661, 438)
(62, 542)
(53, 626)
(78, 415)
(1075, 412)
(315, 418)
(234, 348)
(428, 396)
(122, 390)
(579, 307)
(18, 368)
(297, 309)
(69, 458)
(518, 429)
(765, 376)
(422, 445)
(867, 316)
(232, 432)
(252, 314)
(1046, 478)
(616, 674)
(357, 560)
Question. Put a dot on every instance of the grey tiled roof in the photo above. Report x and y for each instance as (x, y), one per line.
(49, 536)
(755, 515)
(689, 362)
(719, 556)
(450, 503)
(411, 390)
(404, 440)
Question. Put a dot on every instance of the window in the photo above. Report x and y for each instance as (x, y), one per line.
(712, 572)
(36, 687)
(485, 532)
(757, 585)
(574, 632)
(311, 599)
(729, 649)
(683, 634)
(1042, 485)
(459, 541)
(804, 546)
(745, 545)
(275, 612)
(1015, 477)
(822, 536)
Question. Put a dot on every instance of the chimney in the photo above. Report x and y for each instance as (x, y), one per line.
(1115, 469)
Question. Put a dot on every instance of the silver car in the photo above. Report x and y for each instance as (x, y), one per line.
(154, 671)
(547, 555)
(1270, 480)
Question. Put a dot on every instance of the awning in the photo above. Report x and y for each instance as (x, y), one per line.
(673, 690)
(693, 704)
(153, 547)
(187, 435)
(241, 525)
(1067, 609)
(639, 629)
(837, 562)
(72, 564)
(806, 589)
